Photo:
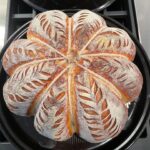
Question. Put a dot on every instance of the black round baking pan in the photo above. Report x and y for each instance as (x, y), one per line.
(44, 5)
(20, 130)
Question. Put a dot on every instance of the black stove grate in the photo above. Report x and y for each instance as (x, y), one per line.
(18, 13)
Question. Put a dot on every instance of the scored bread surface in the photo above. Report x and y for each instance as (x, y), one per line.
(74, 74)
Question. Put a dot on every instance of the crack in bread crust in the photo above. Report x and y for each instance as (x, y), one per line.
(104, 81)
(103, 55)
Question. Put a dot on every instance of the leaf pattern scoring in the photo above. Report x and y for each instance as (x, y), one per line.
(74, 75)
(102, 114)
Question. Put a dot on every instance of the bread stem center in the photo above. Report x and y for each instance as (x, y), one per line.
(72, 56)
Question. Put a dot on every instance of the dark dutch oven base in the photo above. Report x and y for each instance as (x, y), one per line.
(20, 131)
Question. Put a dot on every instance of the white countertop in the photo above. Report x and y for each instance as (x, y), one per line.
(3, 8)
(143, 12)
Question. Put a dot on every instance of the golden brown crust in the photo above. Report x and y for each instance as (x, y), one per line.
(23, 51)
(74, 74)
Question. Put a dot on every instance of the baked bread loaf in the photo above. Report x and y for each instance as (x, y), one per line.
(75, 75)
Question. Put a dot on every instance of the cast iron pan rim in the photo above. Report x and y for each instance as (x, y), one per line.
(41, 9)
(135, 133)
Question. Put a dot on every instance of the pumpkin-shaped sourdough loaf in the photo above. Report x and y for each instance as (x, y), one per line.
(75, 75)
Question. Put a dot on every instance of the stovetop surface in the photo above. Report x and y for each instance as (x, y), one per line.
(18, 13)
